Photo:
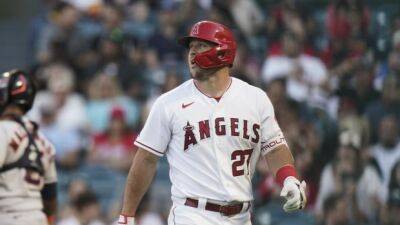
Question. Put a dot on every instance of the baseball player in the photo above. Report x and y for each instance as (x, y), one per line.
(27, 168)
(213, 129)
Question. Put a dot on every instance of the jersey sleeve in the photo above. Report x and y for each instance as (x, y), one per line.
(156, 132)
(271, 134)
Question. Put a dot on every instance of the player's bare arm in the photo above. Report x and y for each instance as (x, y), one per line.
(281, 163)
(138, 181)
(279, 157)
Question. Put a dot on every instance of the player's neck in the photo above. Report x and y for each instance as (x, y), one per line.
(216, 84)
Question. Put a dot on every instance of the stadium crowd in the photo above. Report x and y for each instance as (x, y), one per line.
(332, 71)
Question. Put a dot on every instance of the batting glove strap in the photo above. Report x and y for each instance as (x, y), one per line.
(126, 220)
(295, 194)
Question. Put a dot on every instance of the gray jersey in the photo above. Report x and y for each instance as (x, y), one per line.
(20, 188)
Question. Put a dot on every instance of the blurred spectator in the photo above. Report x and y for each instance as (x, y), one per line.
(69, 106)
(341, 176)
(113, 148)
(336, 210)
(342, 56)
(134, 83)
(69, 194)
(111, 17)
(347, 25)
(354, 90)
(154, 73)
(164, 42)
(369, 190)
(293, 17)
(390, 67)
(394, 184)
(347, 18)
(389, 103)
(104, 94)
(61, 38)
(387, 151)
(111, 55)
(350, 120)
(66, 141)
(363, 86)
(140, 23)
(305, 74)
(86, 211)
(247, 15)
(188, 13)
(390, 214)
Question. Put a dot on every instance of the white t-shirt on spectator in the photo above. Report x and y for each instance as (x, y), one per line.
(314, 74)
(72, 115)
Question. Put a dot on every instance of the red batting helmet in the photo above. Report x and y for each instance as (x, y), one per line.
(221, 55)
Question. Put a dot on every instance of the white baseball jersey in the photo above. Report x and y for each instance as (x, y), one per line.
(20, 188)
(212, 146)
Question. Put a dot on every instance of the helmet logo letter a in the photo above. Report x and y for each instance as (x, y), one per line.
(195, 30)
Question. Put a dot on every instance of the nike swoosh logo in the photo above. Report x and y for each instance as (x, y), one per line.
(186, 105)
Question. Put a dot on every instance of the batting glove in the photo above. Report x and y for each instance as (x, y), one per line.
(295, 194)
(126, 220)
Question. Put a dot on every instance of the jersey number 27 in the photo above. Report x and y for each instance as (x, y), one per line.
(240, 157)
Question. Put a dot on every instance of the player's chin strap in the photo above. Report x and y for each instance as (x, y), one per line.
(126, 220)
